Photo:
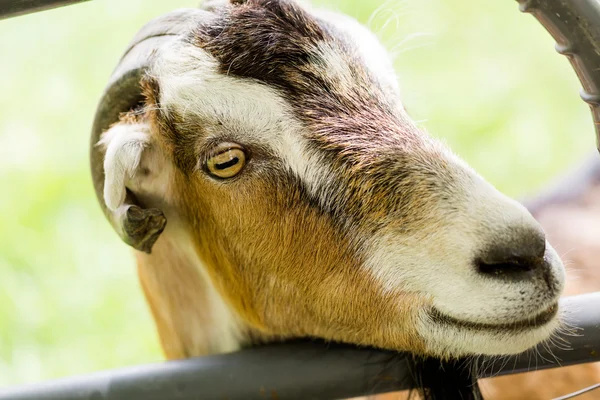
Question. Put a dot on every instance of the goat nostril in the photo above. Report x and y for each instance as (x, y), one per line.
(516, 257)
(511, 263)
(517, 268)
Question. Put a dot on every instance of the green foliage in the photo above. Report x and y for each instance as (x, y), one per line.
(480, 75)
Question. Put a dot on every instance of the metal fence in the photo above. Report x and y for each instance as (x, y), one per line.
(307, 369)
(318, 370)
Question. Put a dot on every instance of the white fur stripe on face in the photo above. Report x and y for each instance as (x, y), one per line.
(191, 85)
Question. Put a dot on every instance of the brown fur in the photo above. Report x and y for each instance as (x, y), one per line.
(177, 297)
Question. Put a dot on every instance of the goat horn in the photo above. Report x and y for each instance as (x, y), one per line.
(138, 227)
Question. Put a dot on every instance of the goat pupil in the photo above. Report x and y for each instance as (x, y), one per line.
(227, 164)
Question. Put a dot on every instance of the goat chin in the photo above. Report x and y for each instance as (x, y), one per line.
(451, 339)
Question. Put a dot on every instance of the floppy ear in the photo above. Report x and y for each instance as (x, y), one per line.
(125, 145)
(137, 226)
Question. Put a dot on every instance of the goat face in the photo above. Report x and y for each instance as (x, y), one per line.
(274, 140)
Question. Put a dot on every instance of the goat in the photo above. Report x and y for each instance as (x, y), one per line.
(301, 199)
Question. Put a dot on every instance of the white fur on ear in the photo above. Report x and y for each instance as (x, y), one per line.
(124, 145)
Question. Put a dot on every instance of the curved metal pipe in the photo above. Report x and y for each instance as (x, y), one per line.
(575, 25)
(14, 8)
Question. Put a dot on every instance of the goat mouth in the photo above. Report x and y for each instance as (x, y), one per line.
(512, 327)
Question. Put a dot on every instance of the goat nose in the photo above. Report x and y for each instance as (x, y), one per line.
(516, 256)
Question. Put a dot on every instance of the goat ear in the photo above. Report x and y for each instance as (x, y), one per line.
(124, 145)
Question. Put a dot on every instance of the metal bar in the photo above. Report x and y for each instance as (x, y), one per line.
(299, 370)
(14, 8)
(575, 25)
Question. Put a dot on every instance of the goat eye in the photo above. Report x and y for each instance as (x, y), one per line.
(227, 162)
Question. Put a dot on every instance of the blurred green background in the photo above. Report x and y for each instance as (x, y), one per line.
(480, 75)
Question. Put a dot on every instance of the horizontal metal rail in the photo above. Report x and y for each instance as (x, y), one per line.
(13, 8)
(305, 370)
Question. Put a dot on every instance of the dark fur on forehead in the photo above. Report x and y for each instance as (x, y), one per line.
(261, 39)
